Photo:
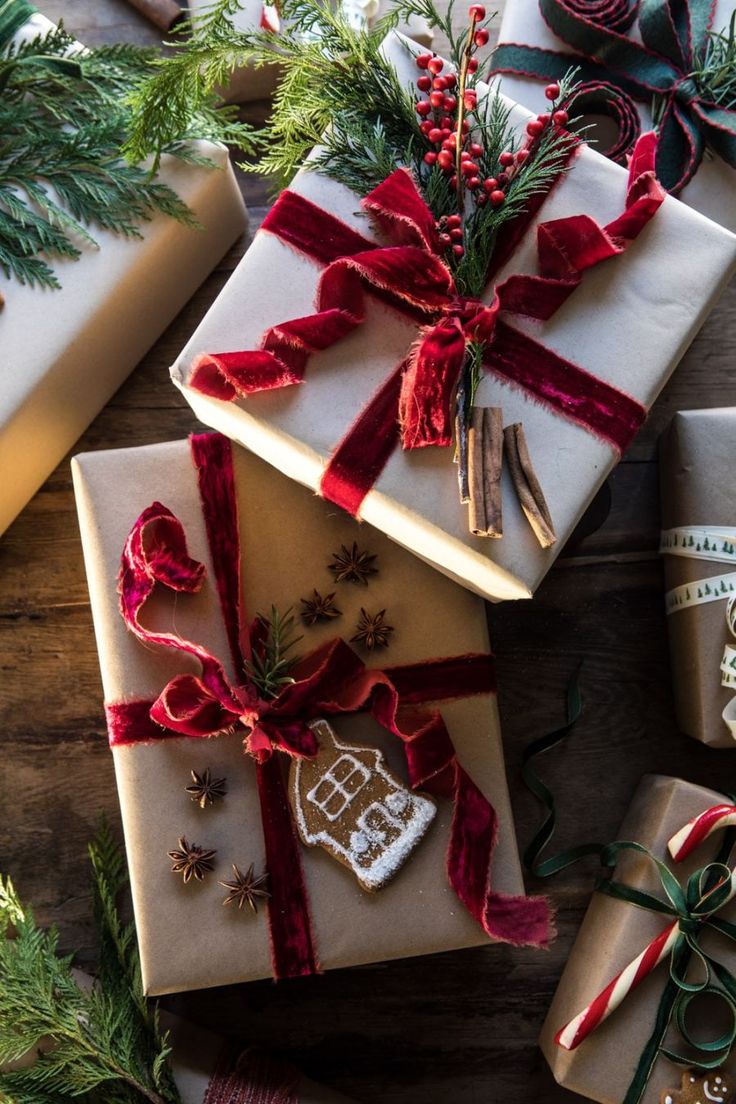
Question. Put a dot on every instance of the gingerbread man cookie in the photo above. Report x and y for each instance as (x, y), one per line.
(347, 801)
(710, 1087)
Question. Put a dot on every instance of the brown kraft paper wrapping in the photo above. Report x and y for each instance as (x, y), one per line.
(613, 932)
(697, 455)
(628, 323)
(287, 536)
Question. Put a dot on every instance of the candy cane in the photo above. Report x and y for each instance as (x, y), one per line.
(684, 842)
(610, 998)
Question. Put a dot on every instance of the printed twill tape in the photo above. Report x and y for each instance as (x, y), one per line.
(716, 544)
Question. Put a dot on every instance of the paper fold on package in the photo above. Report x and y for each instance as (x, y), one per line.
(712, 191)
(65, 352)
(612, 934)
(628, 324)
(288, 537)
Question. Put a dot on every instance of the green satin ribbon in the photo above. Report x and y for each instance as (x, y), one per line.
(695, 906)
(14, 14)
(675, 35)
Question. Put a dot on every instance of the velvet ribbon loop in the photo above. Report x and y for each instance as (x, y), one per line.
(410, 275)
(675, 35)
(329, 681)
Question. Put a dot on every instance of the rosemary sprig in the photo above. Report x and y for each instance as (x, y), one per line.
(715, 73)
(100, 1046)
(272, 658)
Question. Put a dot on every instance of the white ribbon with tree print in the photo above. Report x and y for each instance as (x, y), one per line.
(718, 545)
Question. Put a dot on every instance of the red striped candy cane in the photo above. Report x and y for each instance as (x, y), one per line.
(684, 842)
(610, 998)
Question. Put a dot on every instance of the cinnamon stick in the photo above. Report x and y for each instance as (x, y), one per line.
(461, 448)
(485, 456)
(527, 486)
(492, 464)
(164, 14)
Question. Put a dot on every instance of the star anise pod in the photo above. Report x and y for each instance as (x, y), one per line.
(246, 889)
(373, 632)
(320, 607)
(351, 565)
(191, 861)
(205, 789)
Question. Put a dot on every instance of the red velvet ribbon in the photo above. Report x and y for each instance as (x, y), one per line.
(329, 681)
(252, 1077)
(411, 275)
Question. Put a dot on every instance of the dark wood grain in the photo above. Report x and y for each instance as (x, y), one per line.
(460, 1026)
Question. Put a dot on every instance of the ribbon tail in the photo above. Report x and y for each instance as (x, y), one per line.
(679, 149)
(428, 386)
(293, 950)
(520, 921)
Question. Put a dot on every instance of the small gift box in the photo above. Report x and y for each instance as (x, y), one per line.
(649, 976)
(630, 62)
(580, 382)
(399, 809)
(698, 543)
(251, 82)
(66, 351)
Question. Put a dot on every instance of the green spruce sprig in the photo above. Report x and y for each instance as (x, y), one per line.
(273, 658)
(101, 1045)
(63, 119)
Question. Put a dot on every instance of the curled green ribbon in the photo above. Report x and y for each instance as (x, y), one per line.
(693, 971)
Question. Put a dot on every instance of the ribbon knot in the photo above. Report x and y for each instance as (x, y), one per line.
(675, 35)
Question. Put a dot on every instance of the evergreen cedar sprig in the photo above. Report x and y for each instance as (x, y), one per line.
(63, 119)
(715, 72)
(273, 659)
(102, 1046)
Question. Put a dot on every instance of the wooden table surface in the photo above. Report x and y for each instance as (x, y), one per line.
(462, 1025)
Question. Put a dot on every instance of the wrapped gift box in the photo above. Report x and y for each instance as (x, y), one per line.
(65, 353)
(696, 458)
(712, 191)
(288, 536)
(612, 934)
(628, 324)
(257, 83)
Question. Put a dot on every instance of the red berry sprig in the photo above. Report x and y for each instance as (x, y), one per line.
(511, 162)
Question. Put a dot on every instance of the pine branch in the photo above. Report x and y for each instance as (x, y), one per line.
(63, 119)
(272, 661)
(715, 73)
(101, 1046)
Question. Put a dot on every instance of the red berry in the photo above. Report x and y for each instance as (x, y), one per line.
(423, 61)
(449, 103)
(445, 160)
(446, 133)
(560, 118)
(470, 99)
(497, 198)
(503, 179)
(423, 107)
(543, 118)
(426, 126)
(453, 221)
(534, 128)
(506, 158)
(446, 122)
(453, 181)
(476, 149)
(473, 65)
(430, 157)
(436, 99)
(521, 156)
(445, 241)
(424, 83)
(473, 182)
(435, 135)
(466, 126)
(481, 199)
(481, 36)
(469, 168)
(476, 12)
(435, 66)
(439, 83)
(451, 80)
(449, 143)
(458, 250)
(456, 234)
(552, 91)
(490, 184)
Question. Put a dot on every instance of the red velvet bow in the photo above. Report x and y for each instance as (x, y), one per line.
(330, 680)
(411, 275)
